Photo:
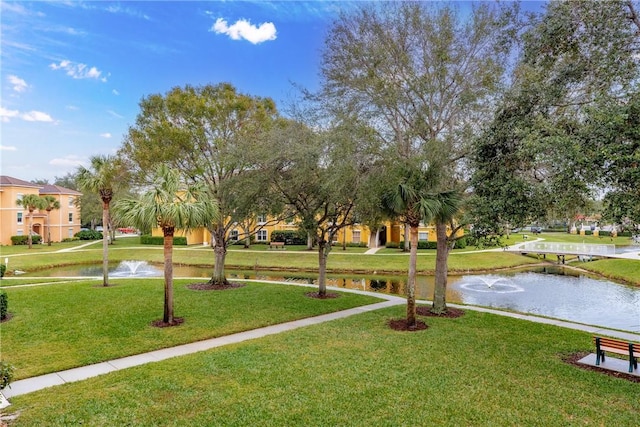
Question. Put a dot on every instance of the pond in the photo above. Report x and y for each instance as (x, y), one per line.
(553, 291)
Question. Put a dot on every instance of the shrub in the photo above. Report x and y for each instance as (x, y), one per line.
(4, 305)
(461, 243)
(70, 239)
(88, 235)
(6, 374)
(290, 237)
(3, 269)
(391, 245)
(24, 240)
(147, 239)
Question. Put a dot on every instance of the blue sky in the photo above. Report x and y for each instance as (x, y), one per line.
(73, 72)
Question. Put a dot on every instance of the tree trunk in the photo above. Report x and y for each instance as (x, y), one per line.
(323, 253)
(30, 237)
(411, 279)
(442, 256)
(168, 276)
(310, 238)
(407, 238)
(220, 251)
(49, 228)
(105, 244)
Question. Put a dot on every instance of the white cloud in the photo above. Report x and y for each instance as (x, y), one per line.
(7, 115)
(78, 70)
(71, 160)
(114, 114)
(36, 116)
(105, 135)
(8, 148)
(243, 29)
(19, 85)
(31, 116)
(115, 92)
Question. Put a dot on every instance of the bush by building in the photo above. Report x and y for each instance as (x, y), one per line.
(88, 235)
(147, 239)
(24, 240)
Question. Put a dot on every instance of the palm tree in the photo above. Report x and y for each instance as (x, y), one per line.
(411, 201)
(101, 179)
(31, 202)
(50, 203)
(169, 206)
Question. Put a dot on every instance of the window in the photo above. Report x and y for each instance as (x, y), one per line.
(70, 232)
(356, 236)
(423, 235)
(262, 219)
(70, 216)
(71, 200)
(20, 233)
(19, 218)
(233, 235)
(19, 196)
(262, 236)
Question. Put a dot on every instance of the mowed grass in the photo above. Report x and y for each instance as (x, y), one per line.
(352, 260)
(626, 270)
(61, 326)
(477, 370)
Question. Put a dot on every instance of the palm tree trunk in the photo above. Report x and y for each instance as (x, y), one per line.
(30, 238)
(442, 256)
(411, 279)
(49, 228)
(168, 276)
(105, 244)
(407, 238)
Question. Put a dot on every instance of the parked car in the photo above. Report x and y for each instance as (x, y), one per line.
(536, 229)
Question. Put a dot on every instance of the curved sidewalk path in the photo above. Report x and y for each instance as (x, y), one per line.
(29, 385)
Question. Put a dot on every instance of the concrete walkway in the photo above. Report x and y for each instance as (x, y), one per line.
(29, 385)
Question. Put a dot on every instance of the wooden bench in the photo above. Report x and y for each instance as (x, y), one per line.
(276, 245)
(626, 348)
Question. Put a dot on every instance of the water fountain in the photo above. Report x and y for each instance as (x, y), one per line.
(494, 284)
(135, 269)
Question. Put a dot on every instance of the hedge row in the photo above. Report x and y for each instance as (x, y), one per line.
(424, 244)
(24, 240)
(147, 239)
(4, 305)
(289, 237)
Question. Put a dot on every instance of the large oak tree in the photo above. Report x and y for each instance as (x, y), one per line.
(205, 132)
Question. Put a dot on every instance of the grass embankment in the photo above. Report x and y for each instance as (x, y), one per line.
(625, 270)
(479, 369)
(60, 326)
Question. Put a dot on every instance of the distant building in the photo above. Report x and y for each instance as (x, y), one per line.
(61, 223)
(354, 234)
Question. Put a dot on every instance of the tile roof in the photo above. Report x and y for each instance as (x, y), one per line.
(56, 189)
(9, 181)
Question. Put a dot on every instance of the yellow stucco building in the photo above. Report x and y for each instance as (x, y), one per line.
(355, 234)
(14, 220)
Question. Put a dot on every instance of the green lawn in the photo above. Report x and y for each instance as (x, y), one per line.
(60, 326)
(476, 370)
